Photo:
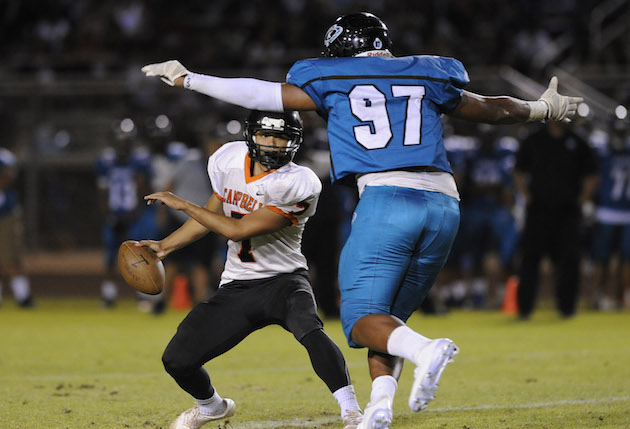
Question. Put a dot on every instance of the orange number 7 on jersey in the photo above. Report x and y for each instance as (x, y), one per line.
(245, 254)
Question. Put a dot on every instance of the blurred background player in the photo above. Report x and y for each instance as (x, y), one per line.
(488, 229)
(612, 215)
(123, 177)
(261, 202)
(556, 171)
(11, 233)
(188, 178)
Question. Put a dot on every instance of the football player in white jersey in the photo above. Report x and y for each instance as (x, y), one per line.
(261, 203)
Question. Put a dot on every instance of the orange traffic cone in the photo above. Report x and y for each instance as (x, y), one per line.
(510, 299)
(180, 298)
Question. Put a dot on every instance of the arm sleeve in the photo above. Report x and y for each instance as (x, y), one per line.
(252, 94)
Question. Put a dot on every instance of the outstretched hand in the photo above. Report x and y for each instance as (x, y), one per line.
(156, 246)
(168, 71)
(167, 198)
(560, 107)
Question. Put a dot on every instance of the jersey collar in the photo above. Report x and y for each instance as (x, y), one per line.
(376, 53)
(248, 177)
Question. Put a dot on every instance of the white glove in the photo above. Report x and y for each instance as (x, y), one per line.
(553, 106)
(168, 71)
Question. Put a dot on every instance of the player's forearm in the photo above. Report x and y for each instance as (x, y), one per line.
(252, 94)
(492, 110)
(519, 179)
(226, 226)
(189, 232)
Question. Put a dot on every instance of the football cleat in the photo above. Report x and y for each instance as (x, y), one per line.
(193, 419)
(431, 361)
(377, 415)
(352, 419)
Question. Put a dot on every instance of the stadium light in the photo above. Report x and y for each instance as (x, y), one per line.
(583, 110)
(162, 122)
(233, 127)
(127, 125)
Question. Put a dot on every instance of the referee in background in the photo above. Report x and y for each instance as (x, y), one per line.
(556, 170)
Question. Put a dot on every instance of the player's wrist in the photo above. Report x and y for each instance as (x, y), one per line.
(187, 81)
(538, 110)
(179, 82)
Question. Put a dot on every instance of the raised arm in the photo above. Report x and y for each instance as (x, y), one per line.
(254, 94)
(509, 110)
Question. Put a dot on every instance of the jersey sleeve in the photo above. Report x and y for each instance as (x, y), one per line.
(215, 162)
(295, 197)
(301, 74)
(448, 92)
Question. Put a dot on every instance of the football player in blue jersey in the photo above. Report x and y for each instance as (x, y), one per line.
(384, 131)
(123, 175)
(487, 224)
(12, 233)
(612, 216)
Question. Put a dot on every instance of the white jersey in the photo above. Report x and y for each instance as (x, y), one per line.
(291, 191)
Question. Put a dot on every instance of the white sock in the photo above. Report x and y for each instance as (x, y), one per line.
(347, 399)
(214, 405)
(405, 342)
(385, 385)
(109, 290)
(21, 288)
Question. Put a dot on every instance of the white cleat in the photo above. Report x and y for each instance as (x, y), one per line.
(378, 415)
(431, 361)
(352, 419)
(193, 419)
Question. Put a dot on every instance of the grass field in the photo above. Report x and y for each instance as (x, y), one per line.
(70, 364)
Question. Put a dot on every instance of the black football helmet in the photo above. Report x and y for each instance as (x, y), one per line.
(354, 33)
(287, 125)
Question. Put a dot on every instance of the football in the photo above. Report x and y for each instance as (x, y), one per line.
(141, 268)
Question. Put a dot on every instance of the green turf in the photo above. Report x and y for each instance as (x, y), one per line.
(71, 364)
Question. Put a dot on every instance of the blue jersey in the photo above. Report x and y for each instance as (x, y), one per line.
(494, 169)
(8, 195)
(614, 188)
(383, 113)
(119, 178)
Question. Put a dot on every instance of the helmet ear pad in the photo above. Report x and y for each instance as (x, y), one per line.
(354, 33)
(282, 124)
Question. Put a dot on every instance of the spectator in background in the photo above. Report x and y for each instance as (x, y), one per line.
(189, 180)
(11, 233)
(123, 176)
(612, 216)
(556, 171)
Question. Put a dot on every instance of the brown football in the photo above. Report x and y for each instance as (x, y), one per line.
(141, 268)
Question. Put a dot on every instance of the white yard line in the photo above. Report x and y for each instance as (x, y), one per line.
(270, 424)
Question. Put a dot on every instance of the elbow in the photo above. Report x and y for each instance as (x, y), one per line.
(237, 234)
(236, 237)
